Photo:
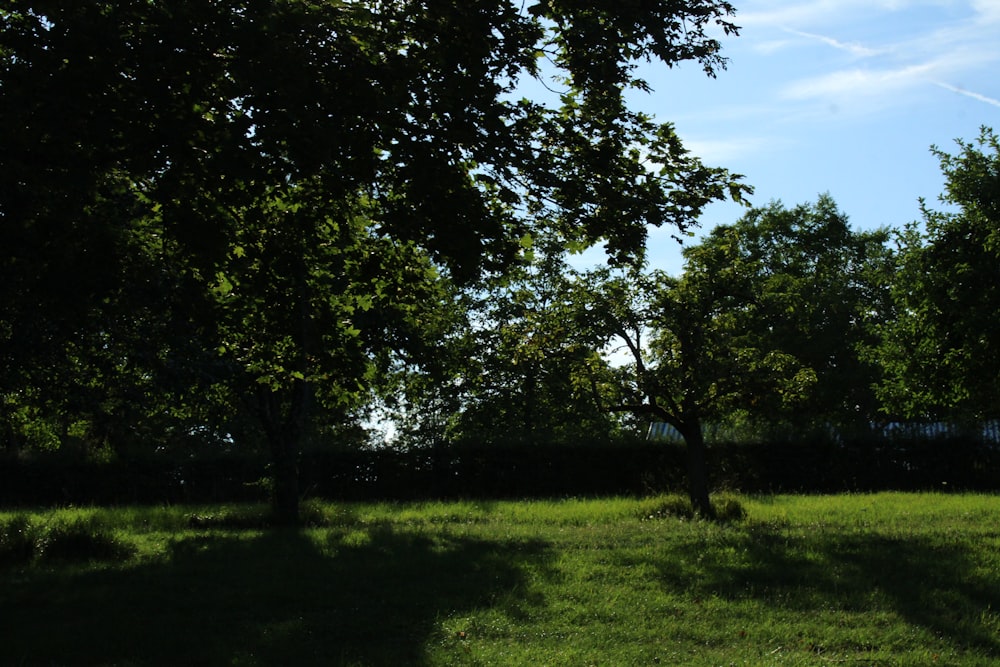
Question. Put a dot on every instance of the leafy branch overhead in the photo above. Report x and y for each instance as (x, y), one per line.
(292, 182)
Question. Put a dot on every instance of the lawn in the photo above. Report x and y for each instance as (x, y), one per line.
(884, 579)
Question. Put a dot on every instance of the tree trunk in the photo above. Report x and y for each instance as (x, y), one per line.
(283, 437)
(285, 481)
(694, 440)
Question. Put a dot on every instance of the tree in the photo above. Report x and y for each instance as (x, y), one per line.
(276, 157)
(674, 373)
(767, 320)
(808, 285)
(509, 366)
(532, 376)
(938, 352)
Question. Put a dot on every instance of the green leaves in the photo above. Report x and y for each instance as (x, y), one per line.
(939, 351)
(767, 319)
(269, 204)
(800, 282)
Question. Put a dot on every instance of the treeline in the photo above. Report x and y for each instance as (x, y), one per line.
(468, 472)
(281, 228)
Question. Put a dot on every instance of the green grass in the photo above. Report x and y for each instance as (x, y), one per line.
(885, 579)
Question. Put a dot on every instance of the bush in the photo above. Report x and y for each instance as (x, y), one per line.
(17, 542)
(509, 471)
(666, 507)
(79, 541)
(727, 508)
(256, 517)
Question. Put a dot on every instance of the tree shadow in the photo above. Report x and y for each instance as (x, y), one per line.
(938, 587)
(367, 596)
(942, 588)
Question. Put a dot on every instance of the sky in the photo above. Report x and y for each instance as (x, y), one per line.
(837, 96)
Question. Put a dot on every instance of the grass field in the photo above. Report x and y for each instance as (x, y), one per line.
(886, 579)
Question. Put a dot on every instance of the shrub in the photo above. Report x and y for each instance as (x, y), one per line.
(663, 507)
(727, 508)
(311, 515)
(79, 541)
(17, 542)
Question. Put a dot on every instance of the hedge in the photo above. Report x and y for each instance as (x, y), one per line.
(514, 471)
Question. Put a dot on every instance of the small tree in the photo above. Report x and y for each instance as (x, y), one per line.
(746, 329)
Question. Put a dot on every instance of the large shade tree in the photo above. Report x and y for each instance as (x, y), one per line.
(300, 171)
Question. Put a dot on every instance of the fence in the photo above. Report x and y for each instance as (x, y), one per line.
(986, 432)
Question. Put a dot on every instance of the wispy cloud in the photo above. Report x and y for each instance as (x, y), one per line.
(804, 13)
(886, 83)
(962, 46)
(968, 93)
(771, 46)
(987, 10)
(855, 83)
(723, 151)
(853, 48)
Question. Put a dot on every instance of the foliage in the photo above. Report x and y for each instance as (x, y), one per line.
(254, 201)
(525, 374)
(504, 470)
(797, 294)
(23, 541)
(939, 351)
(766, 323)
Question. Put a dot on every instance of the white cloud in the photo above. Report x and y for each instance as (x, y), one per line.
(959, 49)
(886, 82)
(801, 13)
(853, 48)
(771, 46)
(722, 151)
(844, 85)
(987, 10)
(968, 93)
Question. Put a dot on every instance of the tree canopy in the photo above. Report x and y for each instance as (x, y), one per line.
(241, 221)
(939, 350)
(277, 185)
(768, 323)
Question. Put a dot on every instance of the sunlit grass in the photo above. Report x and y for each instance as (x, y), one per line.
(884, 579)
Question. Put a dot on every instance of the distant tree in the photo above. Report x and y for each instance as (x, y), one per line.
(767, 320)
(509, 368)
(676, 374)
(531, 377)
(940, 351)
(301, 170)
(812, 288)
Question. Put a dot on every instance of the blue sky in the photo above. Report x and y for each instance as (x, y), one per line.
(838, 96)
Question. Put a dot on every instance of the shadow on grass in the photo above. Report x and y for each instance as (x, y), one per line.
(929, 584)
(368, 597)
